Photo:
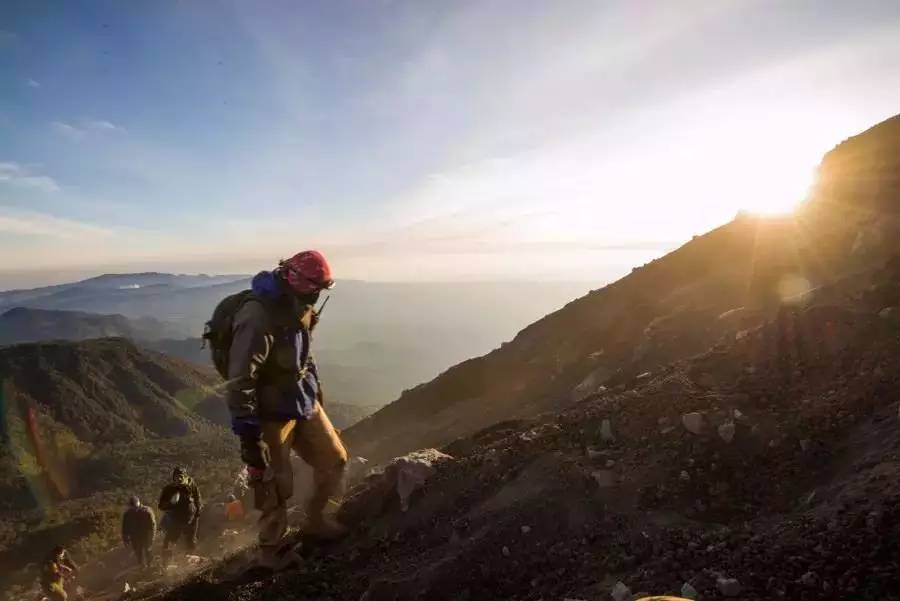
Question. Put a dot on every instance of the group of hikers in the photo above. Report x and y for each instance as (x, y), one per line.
(261, 343)
(180, 503)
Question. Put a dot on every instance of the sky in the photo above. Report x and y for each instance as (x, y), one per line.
(419, 140)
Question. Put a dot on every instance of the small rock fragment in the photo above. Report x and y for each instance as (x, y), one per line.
(620, 592)
(809, 580)
(684, 476)
(525, 529)
(689, 592)
(726, 431)
(804, 444)
(644, 375)
(693, 422)
(887, 312)
(505, 551)
(729, 587)
(606, 433)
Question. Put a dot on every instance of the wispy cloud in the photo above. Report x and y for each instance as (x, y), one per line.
(33, 83)
(68, 130)
(103, 125)
(85, 127)
(19, 175)
(15, 221)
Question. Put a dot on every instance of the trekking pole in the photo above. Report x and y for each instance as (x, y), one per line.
(322, 308)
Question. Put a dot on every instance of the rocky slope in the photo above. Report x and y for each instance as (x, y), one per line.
(763, 468)
(728, 280)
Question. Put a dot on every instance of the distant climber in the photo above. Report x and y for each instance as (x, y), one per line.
(57, 567)
(234, 510)
(180, 499)
(261, 343)
(139, 530)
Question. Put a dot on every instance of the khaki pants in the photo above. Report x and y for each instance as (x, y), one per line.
(318, 444)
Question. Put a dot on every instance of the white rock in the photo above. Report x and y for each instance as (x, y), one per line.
(726, 431)
(410, 472)
(729, 587)
(505, 551)
(887, 312)
(693, 422)
(689, 592)
(525, 529)
(620, 592)
(606, 433)
(644, 375)
(738, 414)
(610, 463)
(684, 476)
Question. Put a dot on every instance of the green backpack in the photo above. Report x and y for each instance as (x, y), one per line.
(218, 331)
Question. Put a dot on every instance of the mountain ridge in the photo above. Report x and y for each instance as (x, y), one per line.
(664, 310)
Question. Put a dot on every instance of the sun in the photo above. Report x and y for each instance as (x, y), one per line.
(779, 191)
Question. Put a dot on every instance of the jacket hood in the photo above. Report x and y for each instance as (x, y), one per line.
(266, 284)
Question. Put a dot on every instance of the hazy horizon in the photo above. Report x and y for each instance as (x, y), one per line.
(30, 280)
(416, 141)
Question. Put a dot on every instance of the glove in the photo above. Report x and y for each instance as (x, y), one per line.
(255, 452)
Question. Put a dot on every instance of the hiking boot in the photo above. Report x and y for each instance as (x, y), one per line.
(324, 528)
(280, 559)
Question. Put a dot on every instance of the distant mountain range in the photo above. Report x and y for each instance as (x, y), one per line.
(34, 325)
(375, 339)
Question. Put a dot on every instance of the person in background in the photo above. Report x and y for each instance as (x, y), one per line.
(56, 568)
(234, 510)
(139, 530)
(180, 499)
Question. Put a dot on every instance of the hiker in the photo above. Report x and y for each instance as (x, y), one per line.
(261, 344)
(139, 530)
(180, 499)
(56, 568)
(234, 510)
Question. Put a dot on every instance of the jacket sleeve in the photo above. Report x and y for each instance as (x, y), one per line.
(69, 563)
(251, 343)
(195, 494)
